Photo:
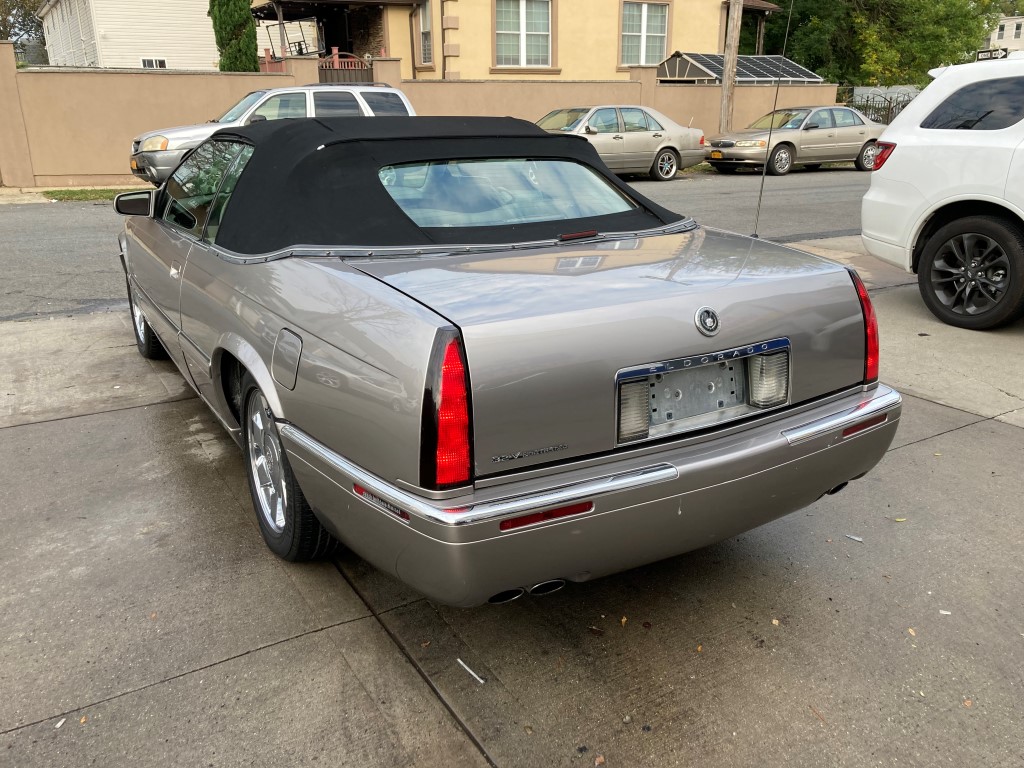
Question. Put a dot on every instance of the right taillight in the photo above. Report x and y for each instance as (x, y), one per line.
(446, 457)
(870, 330)
(882, 151)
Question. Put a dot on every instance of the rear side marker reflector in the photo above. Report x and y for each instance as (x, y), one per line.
(550, 514)
(868, 424)
(377, 501)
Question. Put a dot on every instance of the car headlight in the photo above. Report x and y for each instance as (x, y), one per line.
(759, 143)
(154, 143)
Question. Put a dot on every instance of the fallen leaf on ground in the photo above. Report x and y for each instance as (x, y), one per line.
(622, 621)
(599, 760)
(152, 616)
(775, 622)
(83, 719)
(528, 729)
(596, 631)
(60, 722)
(968, 703)
(425, 644)
(646, 625)
(700, 648)
(945, 613)
(900, 519)
(828, 541)
(854, 538)
(912, 632)
(938, 454)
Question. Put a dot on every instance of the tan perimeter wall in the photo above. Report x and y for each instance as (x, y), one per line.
(71, 127)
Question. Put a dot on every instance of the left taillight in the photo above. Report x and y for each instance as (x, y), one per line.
(871, 350)
(702, 143)
(446, 458)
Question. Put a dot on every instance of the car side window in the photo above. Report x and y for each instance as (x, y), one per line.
(225, 192)
(336, 104)
(634, 120)
(988, 106)
(191, 189)
(281, 106)
(604, 121)
(652, 124)
(823, 117)
(846, 119)
(385, 103)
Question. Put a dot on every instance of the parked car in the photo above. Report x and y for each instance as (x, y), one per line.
(585, 381)
(156, 153)
(946, 199)
(632, 139)
(806, 136)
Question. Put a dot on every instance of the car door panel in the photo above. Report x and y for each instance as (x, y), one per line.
(640, 143)
(607, 137)
(851, 134)
(817, 145)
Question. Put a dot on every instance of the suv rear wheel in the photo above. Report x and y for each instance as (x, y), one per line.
(971, 273)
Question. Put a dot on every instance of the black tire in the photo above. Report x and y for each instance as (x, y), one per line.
(147, 342)
(866, 157)
(295, 534)
(666, 165)
(724, 168)
(813, 166)
(780, 162)
(971, 273)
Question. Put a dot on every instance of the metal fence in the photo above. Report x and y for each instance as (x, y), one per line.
(880, 107)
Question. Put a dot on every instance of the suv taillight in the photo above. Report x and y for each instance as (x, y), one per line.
(446, 457)
(882, 151)
(870, 330)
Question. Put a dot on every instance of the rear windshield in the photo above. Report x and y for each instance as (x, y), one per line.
(385, 103)
(483, 193)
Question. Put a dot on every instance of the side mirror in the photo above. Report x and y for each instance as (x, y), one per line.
(809, 126)
(588, 129)
(134, 203)
(256, 119)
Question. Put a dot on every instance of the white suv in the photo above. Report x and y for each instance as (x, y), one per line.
(947, 194)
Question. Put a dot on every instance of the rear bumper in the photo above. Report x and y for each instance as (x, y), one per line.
(646, 508)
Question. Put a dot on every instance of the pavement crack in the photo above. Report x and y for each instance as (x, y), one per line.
(180, 675)
(97, 413)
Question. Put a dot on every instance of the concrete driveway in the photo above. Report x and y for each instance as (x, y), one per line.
(144, 622)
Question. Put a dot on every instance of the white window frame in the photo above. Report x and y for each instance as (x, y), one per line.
(142, 62)
(522, 39)
(426, 35)
(1002, 31)
(643, 33)
(1016, 30)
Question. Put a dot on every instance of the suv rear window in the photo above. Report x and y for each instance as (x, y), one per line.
(987, 106)
(384, 103)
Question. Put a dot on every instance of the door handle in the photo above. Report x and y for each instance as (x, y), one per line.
(861, 132)
(617, 138)
(657, 135)
(175, 270)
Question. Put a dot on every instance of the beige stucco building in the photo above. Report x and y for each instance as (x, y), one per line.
(1009, 33)
(514, 39)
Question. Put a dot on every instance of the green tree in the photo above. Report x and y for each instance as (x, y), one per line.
(18, 20)
(882, 42)
(235, 32)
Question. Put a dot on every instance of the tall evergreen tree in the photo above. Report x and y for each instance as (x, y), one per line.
(235, 31)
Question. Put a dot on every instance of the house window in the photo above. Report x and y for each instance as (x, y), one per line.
(644, 29)
(1016, 31)
(523, 33)
(154, 63)
(1002, 30)
(426, 42)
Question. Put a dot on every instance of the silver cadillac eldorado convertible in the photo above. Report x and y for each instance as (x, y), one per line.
(467, 351)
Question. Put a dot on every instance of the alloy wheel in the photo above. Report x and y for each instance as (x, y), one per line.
(782, 160)
(266, 462)
(667, 165)
(970, 274)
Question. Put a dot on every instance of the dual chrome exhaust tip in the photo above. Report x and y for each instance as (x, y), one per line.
(542, 588)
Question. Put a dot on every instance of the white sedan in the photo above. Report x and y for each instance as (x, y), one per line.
(632, 139)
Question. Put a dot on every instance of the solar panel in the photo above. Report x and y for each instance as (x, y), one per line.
(755, 69)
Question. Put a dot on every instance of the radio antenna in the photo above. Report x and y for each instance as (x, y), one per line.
(771, 123)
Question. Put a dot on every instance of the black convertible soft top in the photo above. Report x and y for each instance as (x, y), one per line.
(315, 182)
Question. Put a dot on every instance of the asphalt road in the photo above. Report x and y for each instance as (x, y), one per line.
(62, 257)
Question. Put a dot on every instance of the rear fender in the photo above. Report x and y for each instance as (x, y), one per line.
(253, 363)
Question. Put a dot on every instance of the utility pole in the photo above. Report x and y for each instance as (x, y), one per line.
(732, 49)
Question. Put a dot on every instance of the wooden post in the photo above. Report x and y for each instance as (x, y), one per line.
(281, 30)
(732, 48)
(760, 34)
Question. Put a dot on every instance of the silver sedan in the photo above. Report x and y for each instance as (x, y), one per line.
(807, 136)
(632, 139)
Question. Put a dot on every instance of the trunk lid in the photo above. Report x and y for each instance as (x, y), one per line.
(547, 329)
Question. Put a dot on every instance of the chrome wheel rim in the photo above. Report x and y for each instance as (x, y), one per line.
(265, 462)
(138, 319)
(970, 274)
(868, 157)
(666, 165)
(782, 160)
